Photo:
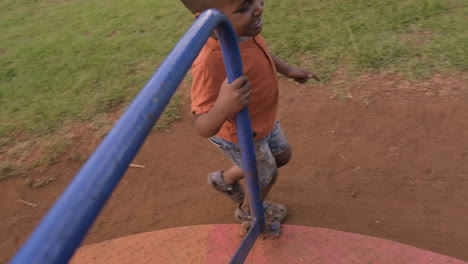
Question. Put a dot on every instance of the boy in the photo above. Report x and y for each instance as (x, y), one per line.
(214, 102)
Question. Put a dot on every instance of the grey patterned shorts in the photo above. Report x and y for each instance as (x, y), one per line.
(265, 150)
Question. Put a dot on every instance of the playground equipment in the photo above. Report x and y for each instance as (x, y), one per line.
(64, 227)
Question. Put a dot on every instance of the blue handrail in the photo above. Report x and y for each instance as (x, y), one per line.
(61, 231)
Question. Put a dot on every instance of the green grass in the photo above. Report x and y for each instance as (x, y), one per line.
(9, 169)
(38, 183)
(414, 37)
(171, 113)
(66, 62)
(53, 152)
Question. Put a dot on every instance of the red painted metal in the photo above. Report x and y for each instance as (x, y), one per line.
(218, 243)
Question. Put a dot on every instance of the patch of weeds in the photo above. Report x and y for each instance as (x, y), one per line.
(109, 103)
(379, 54)
(78, 156)
(171, 114)
(343, 97)
(54, 152)
(340, 92)
(188, 79)
(41, 182)
(21, 150)
(369, 103)
(9, 170)
(4, 142)
(103, 126)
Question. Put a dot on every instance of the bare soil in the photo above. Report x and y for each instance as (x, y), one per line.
(375, 155)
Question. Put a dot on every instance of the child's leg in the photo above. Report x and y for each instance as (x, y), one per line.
(270, 156)
(227, 181)
(233, 175)
(281, 160)
(273, 212)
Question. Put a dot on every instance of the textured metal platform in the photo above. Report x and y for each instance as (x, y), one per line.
(217, 244)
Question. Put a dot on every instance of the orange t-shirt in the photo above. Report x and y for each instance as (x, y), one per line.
(209, 73)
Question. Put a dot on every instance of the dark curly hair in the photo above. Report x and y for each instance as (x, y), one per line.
(196, 6)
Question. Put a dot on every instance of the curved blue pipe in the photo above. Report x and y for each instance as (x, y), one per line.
(64, 227)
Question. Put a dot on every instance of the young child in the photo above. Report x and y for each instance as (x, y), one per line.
(214, 102)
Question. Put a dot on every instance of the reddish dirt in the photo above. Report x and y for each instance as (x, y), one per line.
(374, 155)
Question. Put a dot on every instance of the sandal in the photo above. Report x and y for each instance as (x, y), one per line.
(242, 215)
(233, 191)
(273, 212)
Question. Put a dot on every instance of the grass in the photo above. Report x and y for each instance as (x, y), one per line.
(171, 113)
(67, 62)
(413, 37)
(70, 60)
(340, 92)
(53, 152)
(38, 183)
(9, 169)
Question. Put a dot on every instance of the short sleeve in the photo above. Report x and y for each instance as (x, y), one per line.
(206, 83)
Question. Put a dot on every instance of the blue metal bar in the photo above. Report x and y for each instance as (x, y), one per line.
(64, 227)
(243, 125)
(246, 143)
(247, 244)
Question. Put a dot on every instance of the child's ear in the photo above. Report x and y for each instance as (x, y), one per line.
(197, 14)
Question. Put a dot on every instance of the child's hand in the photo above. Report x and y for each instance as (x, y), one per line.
(233, 97)
(300, 75)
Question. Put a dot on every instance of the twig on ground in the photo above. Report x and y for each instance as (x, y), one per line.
(416, 181)
(137, 166)
(27, 203)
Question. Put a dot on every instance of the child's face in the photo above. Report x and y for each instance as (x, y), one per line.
(244, 15)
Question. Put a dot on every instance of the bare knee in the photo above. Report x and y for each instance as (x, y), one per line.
(283, 158)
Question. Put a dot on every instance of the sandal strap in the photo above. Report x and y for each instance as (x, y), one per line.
(273, 212)
(233, 191)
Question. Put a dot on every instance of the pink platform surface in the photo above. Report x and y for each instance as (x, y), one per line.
(217, 244)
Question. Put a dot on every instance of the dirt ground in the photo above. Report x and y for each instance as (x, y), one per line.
(375, 155)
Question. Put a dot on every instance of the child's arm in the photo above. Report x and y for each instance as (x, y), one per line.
(231, 99)
(296, 73)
